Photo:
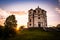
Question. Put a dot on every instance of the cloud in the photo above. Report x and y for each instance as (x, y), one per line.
(57, 9)
(18, 12)
(19, 15)
(59, 2)
(3, 15)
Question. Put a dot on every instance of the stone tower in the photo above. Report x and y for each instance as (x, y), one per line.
(37, 18)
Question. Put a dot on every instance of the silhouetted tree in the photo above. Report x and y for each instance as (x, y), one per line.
(21, 28)
(53, 26)
(1, 30)
(58, 26)
(10, 26)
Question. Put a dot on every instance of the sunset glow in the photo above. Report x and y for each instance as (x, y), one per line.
(20, 10)
(29, 19)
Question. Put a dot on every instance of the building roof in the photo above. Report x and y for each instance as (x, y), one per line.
(38, 8)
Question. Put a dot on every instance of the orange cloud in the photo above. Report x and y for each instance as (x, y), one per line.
(18, 12)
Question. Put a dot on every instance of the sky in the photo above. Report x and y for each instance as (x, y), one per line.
(20, 9)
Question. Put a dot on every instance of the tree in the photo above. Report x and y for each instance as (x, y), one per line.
(21, 28)
(53, 26)
(1, 30)
(11, 21)
(10, 26)
(58, 26)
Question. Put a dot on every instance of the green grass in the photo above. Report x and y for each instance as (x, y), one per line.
(36, 35)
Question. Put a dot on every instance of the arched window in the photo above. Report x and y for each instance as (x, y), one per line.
(38, 17)
(30, 20)
(30, 24)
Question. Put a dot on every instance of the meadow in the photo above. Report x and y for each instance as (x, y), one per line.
(36, 35)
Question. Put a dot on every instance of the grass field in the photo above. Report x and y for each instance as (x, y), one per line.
(36, 35)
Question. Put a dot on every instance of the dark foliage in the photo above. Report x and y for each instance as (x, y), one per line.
(1, 31)
(10, 27)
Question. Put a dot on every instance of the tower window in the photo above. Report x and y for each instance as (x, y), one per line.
(30, 20)
(38, 17)
(30, 24)
(34, 11)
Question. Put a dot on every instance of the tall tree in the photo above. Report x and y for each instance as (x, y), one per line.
(10, 26)
(11, 21)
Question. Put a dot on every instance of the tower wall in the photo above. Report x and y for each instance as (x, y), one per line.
(37, 18)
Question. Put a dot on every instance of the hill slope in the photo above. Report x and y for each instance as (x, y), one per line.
(37, 35)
